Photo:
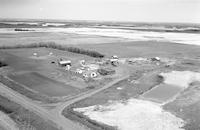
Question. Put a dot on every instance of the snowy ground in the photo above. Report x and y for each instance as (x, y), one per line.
(183, 38)
(138, 114)
(180, 78)
(133, 115)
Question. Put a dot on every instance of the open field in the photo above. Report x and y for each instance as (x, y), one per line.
(37, 75)
(41, 79)
(23, 117)
(186, 106)
(43, 84)
(61, 38)
(142, 79)
(145, 49)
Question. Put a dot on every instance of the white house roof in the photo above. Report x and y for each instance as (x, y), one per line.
(65, 62)
(115, 56)
(113, 60)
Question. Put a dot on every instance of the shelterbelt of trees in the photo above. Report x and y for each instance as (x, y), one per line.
(56, 46)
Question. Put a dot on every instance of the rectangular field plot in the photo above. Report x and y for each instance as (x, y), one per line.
(162, 93)
(44, 85)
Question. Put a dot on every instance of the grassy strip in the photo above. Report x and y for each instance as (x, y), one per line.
(92, 124)
(22, 90)
(23, 117)
(56, 46)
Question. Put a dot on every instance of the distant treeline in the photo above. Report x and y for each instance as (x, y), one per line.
(21, 29)
(56, 46)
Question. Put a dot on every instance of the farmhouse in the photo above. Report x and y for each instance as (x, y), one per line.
(64, 63)
(115, 57)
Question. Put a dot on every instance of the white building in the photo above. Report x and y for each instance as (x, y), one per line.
(64, 63)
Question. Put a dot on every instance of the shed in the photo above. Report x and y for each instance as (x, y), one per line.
(115, 57)
(64, 63)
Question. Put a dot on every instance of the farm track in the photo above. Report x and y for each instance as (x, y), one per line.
(7, 123)
(30, 105)
(54, 115)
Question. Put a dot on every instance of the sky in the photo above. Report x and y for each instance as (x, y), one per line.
(186, 11)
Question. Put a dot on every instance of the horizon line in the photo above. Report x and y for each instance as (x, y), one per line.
(114, 21)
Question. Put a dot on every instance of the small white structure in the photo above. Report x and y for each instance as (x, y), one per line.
(90, 74)
(93, 75)
(115, 57)
(79, 71)
(50, 53)
(68, 67)
(35, 54)
(155, 59)
(119, 88)
(82, 68)
(85, 75)
(82, 62)
(64, 63)
(114, 60)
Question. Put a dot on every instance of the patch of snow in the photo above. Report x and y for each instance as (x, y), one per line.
(119, 88)
(133, 115)
(138, 59)
(53, 24)
(180, 78)
(183, 38)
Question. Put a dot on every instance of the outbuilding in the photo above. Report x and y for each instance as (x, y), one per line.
(64, 63)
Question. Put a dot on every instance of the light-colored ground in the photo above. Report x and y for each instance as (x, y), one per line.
(181, 78)
(139, 114)
(134, 114)
(7, 122)
(131, 49)
(54, 115)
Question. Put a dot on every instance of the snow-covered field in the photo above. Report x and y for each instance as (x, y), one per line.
(183, 38)
(138, 114)
(181, 78)
(133, 115)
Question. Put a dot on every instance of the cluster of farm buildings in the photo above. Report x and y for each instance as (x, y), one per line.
(103, 66)
(91, 70)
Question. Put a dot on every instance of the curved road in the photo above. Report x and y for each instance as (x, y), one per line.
(54, 115)
(43, 113)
